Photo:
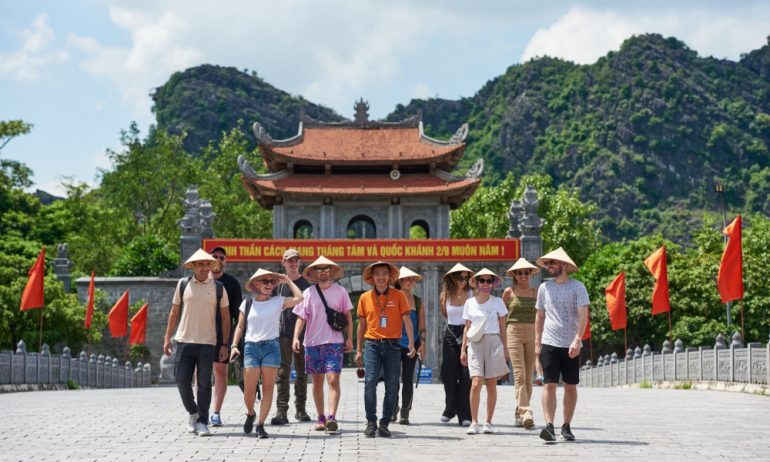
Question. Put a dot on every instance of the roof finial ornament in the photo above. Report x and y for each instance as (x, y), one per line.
(362, 115)
(476, 170)
(261, 134)
(459, 135)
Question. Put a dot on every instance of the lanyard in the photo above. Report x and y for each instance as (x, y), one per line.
(376, 297)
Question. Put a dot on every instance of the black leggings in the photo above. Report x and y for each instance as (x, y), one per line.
(407, 379)
(457, 380)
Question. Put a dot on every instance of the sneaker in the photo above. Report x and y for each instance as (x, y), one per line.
(473, 429)
(519, 421)
(261, 433)
(203, 430)
(527, 421)
(566, 433)
(548, 434)
(371, 429)
(321, 424)
(488, 428)
(215, 420)
(248, 426)
(331, 425)
(192, 423)
(280, 418)
(446, 416)
(301, 416)
(383, 430)
(466, 423)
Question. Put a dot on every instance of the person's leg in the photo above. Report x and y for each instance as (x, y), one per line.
(220, 386)
(283, 392)
(268, 385)
(183, 368)
(529, 366)
(516, 352)
(392, 368)
(205, 367)
(407, 378)
(491, 398)
(475, 397)
(549, 402)
(250, 380)
(570, 401)
(300, 386)
(463, 404)
(450, 375)
(571, 376)
(333, 379)
(318, 393)
(373, 366)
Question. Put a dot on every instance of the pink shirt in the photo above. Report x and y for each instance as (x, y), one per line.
(311, 309)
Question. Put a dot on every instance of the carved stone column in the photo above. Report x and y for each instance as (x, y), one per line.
(62, 266)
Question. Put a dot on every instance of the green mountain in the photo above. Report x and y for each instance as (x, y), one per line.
(645, 132)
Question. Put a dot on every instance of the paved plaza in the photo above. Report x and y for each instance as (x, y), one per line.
(611, 424)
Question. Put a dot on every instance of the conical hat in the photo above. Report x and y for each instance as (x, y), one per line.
(561, 255)
(367, 276)
(486, 272)
(312, 275)
(458, 268)
(259, 274)
(201, 255)
(522, 264)
(405, 272)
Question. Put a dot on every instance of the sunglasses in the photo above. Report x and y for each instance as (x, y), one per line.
(219, 257)
(521, 273)
(267, 282)
(323, 268)
(550, 262)
(461, 278)
(485, 281)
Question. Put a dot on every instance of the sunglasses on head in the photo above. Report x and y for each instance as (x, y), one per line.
(521, 273)
(485, 281)
(267, 282)
(323, 268)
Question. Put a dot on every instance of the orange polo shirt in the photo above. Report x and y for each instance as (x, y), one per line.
(392, 305)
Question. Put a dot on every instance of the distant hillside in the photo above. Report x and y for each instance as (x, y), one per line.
(645, 132)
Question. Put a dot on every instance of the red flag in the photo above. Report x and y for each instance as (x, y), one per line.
(656, 263)
(730, 276)
(119, 317)
(138, 327)
(33, 296)
(587, 333)
(90, 308)
(616, 301)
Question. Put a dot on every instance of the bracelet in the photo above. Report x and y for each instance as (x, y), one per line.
(233, 346)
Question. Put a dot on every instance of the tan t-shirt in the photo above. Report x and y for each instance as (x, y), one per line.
(198, 322)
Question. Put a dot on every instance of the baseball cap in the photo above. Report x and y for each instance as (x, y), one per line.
(290, 253)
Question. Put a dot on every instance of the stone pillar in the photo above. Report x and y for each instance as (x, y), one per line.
(434, 322)
(327, 228)
(530, 225)
(279, 223)
(395, 221)
(207, 215)
(62, 266)
(191, 225)
(442, 223)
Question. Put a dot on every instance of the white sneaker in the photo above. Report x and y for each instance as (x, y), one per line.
(445, 419)
(466, 423)
(203, 430)
(473, 429)
(519, 421)
(488, 428)
(192, 423)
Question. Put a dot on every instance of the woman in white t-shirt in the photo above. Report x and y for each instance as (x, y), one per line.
(486, 357)
(262, 352)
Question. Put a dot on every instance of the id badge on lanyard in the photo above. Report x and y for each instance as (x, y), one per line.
(383, 321)
(383, 317)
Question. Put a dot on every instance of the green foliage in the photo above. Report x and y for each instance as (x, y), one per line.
(645, 384)
(145, 255)
(71, 385)
(139, 353)
(10, 129)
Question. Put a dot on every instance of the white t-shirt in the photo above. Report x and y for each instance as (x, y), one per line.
(560, 303)
(493, 309)
(454, 314)
(263, 318)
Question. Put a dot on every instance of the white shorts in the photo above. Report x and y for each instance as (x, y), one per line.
(486, 357)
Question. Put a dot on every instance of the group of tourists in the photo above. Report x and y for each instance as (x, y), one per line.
(305, 318)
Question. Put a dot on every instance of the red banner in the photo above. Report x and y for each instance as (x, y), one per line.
(397, 250)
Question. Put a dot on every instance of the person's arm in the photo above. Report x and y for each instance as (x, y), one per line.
(237, 337)
(291, 302)
(507, 295)
(577, 342)
(504, 337)
(224, 313)
(360, 340)
(173, 317)
(442, 304)
(407, 320)
(298, 326)
(539, 323)
(422, 332)
(464, 347)
(349, 330)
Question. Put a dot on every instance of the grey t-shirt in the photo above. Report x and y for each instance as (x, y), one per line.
(561, 302)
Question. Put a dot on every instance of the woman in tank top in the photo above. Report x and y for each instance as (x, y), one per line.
(520, 299)
(457, 382)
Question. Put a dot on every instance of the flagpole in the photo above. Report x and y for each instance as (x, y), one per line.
(743, 334)
(625, 337)
(670, 338)
(40, 336)
(591, 348)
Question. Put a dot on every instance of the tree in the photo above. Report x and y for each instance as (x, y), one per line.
(10, 129)
(145, 255)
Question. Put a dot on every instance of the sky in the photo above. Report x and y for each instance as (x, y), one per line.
(81, 71)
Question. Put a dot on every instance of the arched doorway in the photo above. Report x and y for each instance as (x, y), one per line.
(361, 227)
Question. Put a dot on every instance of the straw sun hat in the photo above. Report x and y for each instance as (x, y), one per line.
(561, 255)
(405, 272)
(260, 274)
(311, 274)
(485, 272)
(201, 255)
(458, 268)
(522, 264)
(367, 276)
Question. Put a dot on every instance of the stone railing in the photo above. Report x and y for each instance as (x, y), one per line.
(720, 363)
(23, 368)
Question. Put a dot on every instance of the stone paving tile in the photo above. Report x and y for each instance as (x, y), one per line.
(148, 424)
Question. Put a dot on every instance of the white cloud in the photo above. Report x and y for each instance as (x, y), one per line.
(421, 91)
(34, 54)
(583, 35)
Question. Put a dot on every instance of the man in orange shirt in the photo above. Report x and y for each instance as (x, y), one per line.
(381, 313)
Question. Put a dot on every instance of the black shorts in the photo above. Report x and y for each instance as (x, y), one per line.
(216, 354)
(556, 362)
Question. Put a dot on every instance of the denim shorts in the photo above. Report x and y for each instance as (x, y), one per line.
(324, 359)
(266, 353)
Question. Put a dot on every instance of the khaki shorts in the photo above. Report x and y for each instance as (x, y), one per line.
(486, 358)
